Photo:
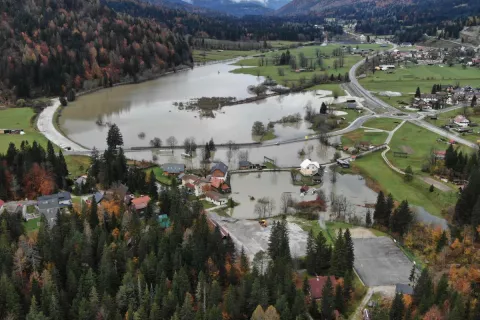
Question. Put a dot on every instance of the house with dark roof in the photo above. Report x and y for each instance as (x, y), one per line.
(219, 170)
(244, 165)
(50, 205)
(317, 284)
(175, 169)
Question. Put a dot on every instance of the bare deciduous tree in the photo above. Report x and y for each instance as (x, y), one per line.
(156, 142)
(243, 155)
(333, 173)
(264, 207)
(286, 201)
(172, 141)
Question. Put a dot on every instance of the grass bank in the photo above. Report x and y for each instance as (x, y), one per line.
(380, 177)
(353, 137)
(163, 179)
(382, 123)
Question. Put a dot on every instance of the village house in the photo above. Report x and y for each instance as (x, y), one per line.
(461, 121)
(173, 169)
(219, 170)
(440, 155)
(309, 168)
(140, 203)
(317, 284)
(50, 205)
(216, 198)
(194, 183)
(244, 165)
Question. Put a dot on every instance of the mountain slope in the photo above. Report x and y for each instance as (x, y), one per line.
(236, 8)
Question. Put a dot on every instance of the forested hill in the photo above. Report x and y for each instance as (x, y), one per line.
(50, 46)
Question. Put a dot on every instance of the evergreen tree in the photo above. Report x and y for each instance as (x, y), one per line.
(339, 263)
(310, 259)
(258, 314)
(450, 157)
(408, 174)
(423, 295)
(418, 93)
(380, 215)
(61, 170)
(402, 218)
(114, 137)
(306, 285)
(350, 255)
(441, 293)
(476, 219)
(186, 312)
(412, 278)
(94, 163)
(211, 145)
(339, 302)
(244, 264)
(152, 186)
(397, 308)
(34, 313)
(442, 242)
(474, 101)
(323, 108)
(368, 219)
(467, 200)
(271, 313)
(327, 304)
(348, 286)
(51, 157)
(323, 254)
(458, 310)
(93, 215)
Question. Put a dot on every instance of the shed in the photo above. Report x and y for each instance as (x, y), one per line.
(173, 168)
(219, 169)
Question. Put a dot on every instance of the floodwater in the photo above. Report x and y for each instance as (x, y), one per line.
(148, 107)
(285, 155)
(274, 184)
(422, 215)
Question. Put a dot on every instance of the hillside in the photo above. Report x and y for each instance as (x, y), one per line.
(48, 47)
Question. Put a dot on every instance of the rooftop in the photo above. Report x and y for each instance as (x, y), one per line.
(317, 284)
(305, 163)
(173, 167)
(219, 166)
(214, 195)
(141, 202)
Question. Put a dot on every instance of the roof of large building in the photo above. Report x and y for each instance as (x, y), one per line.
(58, 200)
(214, 195)
(219, 166)
(403, 288)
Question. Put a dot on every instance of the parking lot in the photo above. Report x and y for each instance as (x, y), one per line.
(379, 262)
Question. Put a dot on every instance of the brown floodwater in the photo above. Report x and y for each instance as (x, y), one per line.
(149, 107)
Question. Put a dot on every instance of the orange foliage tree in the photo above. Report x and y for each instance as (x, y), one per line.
(38, 182)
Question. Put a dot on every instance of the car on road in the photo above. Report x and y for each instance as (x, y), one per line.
(277, 143)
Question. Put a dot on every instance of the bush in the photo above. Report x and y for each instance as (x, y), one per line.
(20, 103)
(432, 188)
(63, 101)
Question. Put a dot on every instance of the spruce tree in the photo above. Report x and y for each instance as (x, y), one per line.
(450, 157)
(114, 137)
(187, 312)
(244, 264)
(476, 219)
(441, 292)
(323, 254)
(348, 286)
(418, 93)
(327, 304)
(152, 186)
(380, 215)
(423, 295)
(339, 262)
(305, 285)
(397, 308)
(467, 200)
(368, 219)
(412, 278)
(323, 108)
(474, 101)
(93, 215)
(402, 218)
(442, 242)
(339, 302)
(350, 255)
(310, 259)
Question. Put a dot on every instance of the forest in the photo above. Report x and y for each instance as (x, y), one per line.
(50, 47)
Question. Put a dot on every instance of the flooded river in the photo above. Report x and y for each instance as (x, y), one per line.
(149, 107)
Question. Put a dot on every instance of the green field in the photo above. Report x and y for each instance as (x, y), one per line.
(406, 79)
(417, 142)
(329, 87)
(18, 118)
(351, 138)
(381, 177)
(31, 225)
(382, 123)
(163, 179)
(291, 76)
(215, 55)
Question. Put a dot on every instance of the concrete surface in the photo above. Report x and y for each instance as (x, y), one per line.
(379, 262)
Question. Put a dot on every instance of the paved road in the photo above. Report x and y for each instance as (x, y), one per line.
(45, 125)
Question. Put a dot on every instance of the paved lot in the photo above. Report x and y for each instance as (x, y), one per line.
(379, 262)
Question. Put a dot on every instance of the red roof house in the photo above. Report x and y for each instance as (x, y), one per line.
(216, 182)
(317, 284)
(140, 203)
(1, 203)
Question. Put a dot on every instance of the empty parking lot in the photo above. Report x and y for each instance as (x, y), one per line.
(379, 262)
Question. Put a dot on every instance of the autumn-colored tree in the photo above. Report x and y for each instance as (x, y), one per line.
(433, 314)
(38, 182)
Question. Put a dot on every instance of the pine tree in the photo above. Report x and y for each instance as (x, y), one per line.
(339, 302)
(476, 219)
(186, 312)
(327, 304)
(408, 176)
(412, 276)
(61, 170)
(450, 157)
(423, 295)
(368, 219)
(467, 200)
(397, 308)
(152, 186)
(306, 285)
(114, 137)
(323, 108)
(402, 218)
(441, 292)
(418, 93)
(244, 264)
(211, 145)
(310, 259)
(380, 214)
(34, 313)
(442, 242)
(93, 215)
(51, 157)
(348, 286)
(339, 262)
(323, 254)
(458, 311)
(350, 255)
(94, 163)
(474, 101)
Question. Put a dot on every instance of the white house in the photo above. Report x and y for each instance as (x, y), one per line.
(309, 168)
(363, 38)
(194, 183)
(215, 198)
(461, 121)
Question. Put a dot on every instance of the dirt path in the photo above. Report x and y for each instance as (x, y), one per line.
(437, 184)
(388, 291)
